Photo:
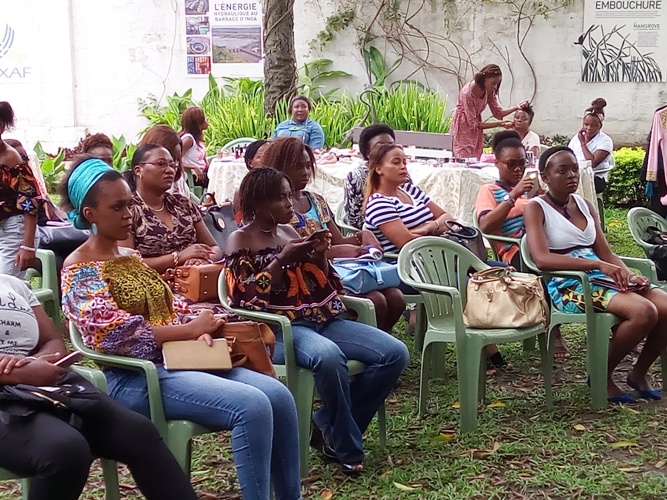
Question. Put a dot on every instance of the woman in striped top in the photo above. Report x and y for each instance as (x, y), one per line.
(398, 211)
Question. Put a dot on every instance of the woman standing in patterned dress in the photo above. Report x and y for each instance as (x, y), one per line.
(467, 124)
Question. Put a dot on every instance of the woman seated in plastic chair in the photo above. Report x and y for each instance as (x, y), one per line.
(312, 213)
(397, 211)
(166, 229)
(564, 233)
(53, 450)
(500, 205)
(270, 268)
(122, 307)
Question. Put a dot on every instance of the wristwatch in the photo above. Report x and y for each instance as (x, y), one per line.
(509, 199)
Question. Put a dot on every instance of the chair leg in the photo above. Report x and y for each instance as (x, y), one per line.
(529, 344)
(304, 412)
(663, 362)
(438, 352)
(547, 369)
(424, 378)
(382, 425)
(469, 358)
(25, 488)
(180, 444)
(110, 473)
(598, 357)
(420, 327)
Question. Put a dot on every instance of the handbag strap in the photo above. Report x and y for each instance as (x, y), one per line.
(491, 274)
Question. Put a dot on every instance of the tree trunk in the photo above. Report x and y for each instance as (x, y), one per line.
(280, 56)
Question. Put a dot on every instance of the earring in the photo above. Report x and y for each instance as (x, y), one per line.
(93, 228)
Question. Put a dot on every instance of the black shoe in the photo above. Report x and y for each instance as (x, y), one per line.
(318, 443)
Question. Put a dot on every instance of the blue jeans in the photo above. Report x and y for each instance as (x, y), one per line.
(347, 408)
(258, 409)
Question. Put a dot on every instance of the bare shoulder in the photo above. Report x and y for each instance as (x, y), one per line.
(238, 240)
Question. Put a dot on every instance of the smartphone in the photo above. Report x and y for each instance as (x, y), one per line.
(317, 235)
(70, 359)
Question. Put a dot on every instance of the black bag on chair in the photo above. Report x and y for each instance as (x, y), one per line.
(466, 236)
(219, 220)
(658, 253)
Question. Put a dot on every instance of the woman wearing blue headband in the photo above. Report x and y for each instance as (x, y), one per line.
(122, 307)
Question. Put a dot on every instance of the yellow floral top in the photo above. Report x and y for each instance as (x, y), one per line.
(115, 304)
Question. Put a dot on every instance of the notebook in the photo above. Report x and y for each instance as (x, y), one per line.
(196, 355)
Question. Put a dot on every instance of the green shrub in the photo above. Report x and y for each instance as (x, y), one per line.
(237, 110)
(53, 167)
(625, 187)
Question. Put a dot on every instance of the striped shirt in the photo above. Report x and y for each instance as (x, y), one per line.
(382, 209)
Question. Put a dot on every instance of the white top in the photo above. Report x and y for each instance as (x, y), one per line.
(382, 209)
(600, 141)
(196, 155)
(19, 331)
(561, 233)
(531, 141)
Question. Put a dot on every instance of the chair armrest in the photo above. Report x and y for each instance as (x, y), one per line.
(502, 239)
(363, 307)
(644, 266)
(148, 367)
(346, 229)
(92, 375)
(49, 271)
(389, 256)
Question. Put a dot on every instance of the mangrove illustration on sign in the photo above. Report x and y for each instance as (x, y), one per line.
(624, 41)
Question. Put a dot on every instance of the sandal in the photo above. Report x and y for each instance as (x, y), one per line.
(319, 443)
(560, 349)
(352, 469)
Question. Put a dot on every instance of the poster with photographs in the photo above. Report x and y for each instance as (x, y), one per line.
(624, 41)
(224, 38)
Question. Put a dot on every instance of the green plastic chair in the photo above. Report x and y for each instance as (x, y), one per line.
(341, 220)
(300, 381)
(438, 268)
(48, 292)
(109, 470)
(639, 219)
(177, 434)
(195, 190)
(598, 325)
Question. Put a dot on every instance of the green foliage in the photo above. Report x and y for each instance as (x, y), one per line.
(377, 68)
(236, 109)
(53, 167)
(625, 187)
(338, 21)
(314, 76)
(122, 153)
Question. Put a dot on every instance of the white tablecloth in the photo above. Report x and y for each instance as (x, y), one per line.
(453, 188)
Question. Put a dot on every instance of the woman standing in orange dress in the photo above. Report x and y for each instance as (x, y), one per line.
(467, 125)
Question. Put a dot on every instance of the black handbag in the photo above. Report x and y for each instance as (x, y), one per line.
(466, 236)
(658, 252)
(219, 220)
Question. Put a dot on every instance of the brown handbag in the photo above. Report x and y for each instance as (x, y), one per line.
(252, 345)
(197, 283)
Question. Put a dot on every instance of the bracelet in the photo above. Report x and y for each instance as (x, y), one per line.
(175, 257)
(31, 358)
(27, 248)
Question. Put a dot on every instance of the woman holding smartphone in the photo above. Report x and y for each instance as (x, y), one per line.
(55, 454)
(564, 233)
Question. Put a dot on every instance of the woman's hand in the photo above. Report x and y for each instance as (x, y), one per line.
(323, 243)
(581, 135)
(367, 238)
(25, 258)
(642, 282)
(198, 173)
(617, 273)
(507, 124)
(196, 251)
(523, 104)
(8, 363)
(296, 250)
(205, 323)
(196, 262)
(206, 338)
(40, 372)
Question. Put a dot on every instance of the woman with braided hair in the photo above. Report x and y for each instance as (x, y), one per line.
(467, 124)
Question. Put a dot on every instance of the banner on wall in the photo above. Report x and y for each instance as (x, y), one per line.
(624, 41)
(16, 62)
(224, 38)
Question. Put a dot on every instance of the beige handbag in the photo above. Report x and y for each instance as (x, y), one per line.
(500, 297)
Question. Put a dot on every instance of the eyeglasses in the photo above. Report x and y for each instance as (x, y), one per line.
(161, 163)
(514, 164)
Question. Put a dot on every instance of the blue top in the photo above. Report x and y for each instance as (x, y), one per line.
(310, 132)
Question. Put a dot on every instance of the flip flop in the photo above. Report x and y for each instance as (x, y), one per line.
(648, 394)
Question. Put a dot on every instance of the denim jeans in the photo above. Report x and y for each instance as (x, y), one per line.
(258, 409)
(11, 236)
(347, 408)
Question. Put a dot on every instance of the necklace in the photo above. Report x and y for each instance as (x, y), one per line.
(562, 207)
(156, 210)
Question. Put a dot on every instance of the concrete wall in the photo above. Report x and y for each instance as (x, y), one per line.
(92, 60)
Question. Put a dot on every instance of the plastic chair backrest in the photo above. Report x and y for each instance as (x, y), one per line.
(241, 141)
(437, 261)
(639, 219)
(525, 256)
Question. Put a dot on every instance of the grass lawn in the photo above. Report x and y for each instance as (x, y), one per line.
(520, 451)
